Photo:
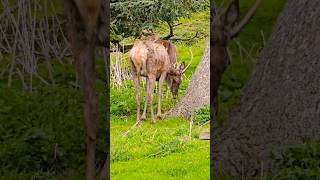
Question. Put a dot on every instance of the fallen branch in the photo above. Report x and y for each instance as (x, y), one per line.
(132, 127)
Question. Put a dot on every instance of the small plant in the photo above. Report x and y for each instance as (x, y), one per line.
(166, 148)
(120, 156)
(297, 162)
(202, 115)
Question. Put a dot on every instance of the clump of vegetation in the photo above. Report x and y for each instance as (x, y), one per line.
(297, 162)
(202, 115)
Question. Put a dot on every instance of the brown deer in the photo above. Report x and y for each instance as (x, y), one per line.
(151, 60)
(222, 33)
(172, 80)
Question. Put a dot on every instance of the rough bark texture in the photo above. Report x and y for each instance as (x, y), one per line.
(280, 104)
(197, 93)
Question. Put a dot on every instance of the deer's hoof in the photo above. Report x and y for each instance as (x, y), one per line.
(159, 116)
(143, 118)
(153, 122)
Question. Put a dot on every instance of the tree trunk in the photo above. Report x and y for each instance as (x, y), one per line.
(85, 18)
(197, 93)
(280, 104)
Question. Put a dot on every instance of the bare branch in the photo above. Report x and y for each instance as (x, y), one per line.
(185, 39)
(246, 19)
(170, 31)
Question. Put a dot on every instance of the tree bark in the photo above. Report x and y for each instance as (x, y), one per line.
(197, 93)
(280, 103)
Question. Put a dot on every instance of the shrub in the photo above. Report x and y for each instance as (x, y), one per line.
(202, 115)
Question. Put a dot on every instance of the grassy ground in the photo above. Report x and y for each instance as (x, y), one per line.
(165, 151)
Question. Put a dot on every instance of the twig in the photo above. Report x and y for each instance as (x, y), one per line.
(190, 126)
(132, 127)
(243, 50)
(154, 134)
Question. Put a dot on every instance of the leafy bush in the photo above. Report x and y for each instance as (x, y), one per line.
(202, 115)
(300, 162)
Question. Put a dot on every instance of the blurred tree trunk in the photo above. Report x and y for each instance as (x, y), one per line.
(280, 104)
(85, 20)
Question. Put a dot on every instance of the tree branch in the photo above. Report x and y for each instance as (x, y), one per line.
(170, 31)
(186, 39)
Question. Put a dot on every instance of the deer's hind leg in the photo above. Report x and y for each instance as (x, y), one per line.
(143, 117)
(136, 79)
(151, 82)
(161, 80)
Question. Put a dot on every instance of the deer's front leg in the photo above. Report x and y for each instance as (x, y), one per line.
(162, 77)
(151, 81)
(136, 80)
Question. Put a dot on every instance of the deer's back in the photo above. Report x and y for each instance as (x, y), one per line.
(171, 49)
(148, 57)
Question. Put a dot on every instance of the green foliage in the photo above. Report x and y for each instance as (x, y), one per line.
(42, 132)
(128, 18)
(202, 115)
(299, 162)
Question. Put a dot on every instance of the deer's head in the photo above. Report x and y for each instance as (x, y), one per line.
(173, 79)
(174, 74)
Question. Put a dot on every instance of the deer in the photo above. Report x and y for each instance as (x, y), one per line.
(151, 59)
(173, 81)
(221, 35)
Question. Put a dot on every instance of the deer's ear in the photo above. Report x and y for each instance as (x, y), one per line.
(232, 14)
(181, 68)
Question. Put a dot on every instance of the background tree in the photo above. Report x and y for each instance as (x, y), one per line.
(280, 103)
(129, 18)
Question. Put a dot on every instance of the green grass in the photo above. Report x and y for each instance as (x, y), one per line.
(165, 151)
